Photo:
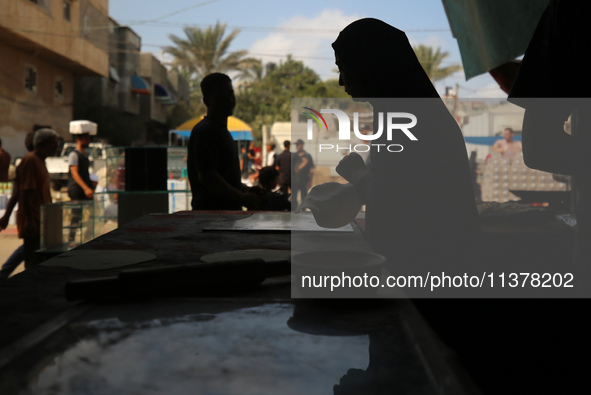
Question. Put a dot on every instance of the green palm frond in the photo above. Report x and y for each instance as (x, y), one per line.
(431, 60)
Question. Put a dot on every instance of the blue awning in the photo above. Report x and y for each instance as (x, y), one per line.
(160, 91)
(237, 136)
(162, 95)
(138, 85)
(487, 140)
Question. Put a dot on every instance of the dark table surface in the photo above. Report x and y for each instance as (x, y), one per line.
(255, 341)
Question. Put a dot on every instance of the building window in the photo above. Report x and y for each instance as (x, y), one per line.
(113, 75)
(67, 10)
(58, 88)
(45, 4)
(30, 78)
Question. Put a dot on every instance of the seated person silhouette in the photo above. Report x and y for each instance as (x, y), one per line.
(212, 159)
(271, 200)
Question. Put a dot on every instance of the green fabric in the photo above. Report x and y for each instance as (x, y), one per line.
(492, 32)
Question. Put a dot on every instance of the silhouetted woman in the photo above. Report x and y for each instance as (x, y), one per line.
(420, 208)
(421, 212)
(421, 215)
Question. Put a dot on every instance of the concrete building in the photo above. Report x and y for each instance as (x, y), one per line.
(167, 88)
(111, 100)
(130, 104)
(44, 44)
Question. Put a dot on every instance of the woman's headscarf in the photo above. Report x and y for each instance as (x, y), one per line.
(381, 56)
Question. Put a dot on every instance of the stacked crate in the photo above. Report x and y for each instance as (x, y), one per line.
(502, 174)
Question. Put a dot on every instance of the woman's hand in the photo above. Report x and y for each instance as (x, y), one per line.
(352, 168)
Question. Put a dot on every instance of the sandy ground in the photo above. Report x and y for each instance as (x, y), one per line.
(9, 242)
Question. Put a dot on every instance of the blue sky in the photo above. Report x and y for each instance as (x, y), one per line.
(271, 29)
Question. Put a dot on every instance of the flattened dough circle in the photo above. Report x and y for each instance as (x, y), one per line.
(99, 259)
(264, 254)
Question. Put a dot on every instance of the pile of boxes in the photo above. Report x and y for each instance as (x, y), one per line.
(502, 174)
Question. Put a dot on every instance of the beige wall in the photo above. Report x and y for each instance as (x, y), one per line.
(20, 109)
(101, 5)
(38, 35)
(82, 41)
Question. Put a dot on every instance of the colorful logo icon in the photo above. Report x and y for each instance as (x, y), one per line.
(317, 117)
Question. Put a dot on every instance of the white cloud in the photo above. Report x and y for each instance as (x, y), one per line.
(306, 38)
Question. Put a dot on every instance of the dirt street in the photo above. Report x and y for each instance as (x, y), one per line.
(9, 242)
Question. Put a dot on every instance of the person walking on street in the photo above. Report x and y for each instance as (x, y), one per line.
(271, 154)
(79, 183)
(303, 168)
(19, 254)
(32, 180)
(283, 164)
(4, 163)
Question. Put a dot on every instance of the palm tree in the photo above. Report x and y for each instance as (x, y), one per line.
(195, 104)
(431, 61)
(205, 51)
(253, 74)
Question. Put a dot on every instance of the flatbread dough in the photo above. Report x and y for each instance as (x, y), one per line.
(264, 254)
(99, 259)
(333, 204)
